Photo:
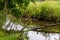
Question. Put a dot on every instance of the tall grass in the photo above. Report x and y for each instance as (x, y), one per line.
(46, 10)
(33, 10)
(6, 36)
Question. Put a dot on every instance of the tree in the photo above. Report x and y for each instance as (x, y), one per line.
(13, 7)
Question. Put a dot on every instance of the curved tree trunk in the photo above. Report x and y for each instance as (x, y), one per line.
(5, 6)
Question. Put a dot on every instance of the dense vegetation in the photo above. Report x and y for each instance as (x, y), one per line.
(45, 10)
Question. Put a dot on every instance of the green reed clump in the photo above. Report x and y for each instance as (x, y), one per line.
(50, 11)
(46, 10)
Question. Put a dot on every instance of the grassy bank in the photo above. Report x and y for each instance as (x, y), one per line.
(6, 36)
(47, 10)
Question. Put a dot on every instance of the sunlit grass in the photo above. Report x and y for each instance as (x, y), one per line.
(6, 36)
(46, 10)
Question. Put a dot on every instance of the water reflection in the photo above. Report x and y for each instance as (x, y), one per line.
(43, 36)
(32, 34)
(12, 26)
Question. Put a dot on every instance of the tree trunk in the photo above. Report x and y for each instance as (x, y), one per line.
(5, 6)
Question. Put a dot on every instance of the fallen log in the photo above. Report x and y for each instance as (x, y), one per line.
(47, 25)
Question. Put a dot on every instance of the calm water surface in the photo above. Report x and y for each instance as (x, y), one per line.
(33, 35)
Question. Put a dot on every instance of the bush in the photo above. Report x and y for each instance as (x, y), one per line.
(33, 10)
(50, 10)
(2, 18)
(47, 10)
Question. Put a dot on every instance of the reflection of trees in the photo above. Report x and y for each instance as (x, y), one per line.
(46, 35)
(23, 33)
(59, 36)
(23, 36)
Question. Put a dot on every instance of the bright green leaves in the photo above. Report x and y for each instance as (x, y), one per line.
(2, 18)
(13, 7)
(17, 7)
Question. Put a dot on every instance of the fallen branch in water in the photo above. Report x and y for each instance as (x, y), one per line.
(57, 24)
(39, 28)
(36, 28)
(47, 25)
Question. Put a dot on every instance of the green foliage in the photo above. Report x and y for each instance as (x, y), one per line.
(2, 18)
(33, 10)
(6, 36)
(12, 35)
(50, 11)
(16, 13)
(46, 10)
(16, 7)
(23, 36)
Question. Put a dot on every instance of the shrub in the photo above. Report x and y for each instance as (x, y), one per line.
(2, 18)
(47, 10)
(33, 10)
(50, 11)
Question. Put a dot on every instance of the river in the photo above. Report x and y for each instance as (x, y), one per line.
(32, 35)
